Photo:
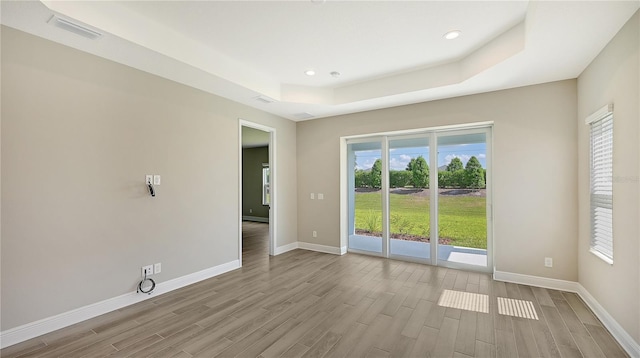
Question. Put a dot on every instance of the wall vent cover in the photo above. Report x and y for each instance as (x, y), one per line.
(73, 27)
(303, 115)
(264, 99)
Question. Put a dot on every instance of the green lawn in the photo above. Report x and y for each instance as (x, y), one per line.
(462, 218)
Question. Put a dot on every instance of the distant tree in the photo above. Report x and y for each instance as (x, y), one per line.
(458, 178)
(473, 163)
(474, 174)
(361, 179)
(376, 174)
(455, 165)
(444, 179)
(420, 171)
(474, 178)
(399, 178)
(410, 164)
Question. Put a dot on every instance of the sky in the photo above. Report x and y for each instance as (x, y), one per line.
(400, 157)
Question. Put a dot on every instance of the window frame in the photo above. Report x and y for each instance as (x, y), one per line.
(265, 185)
(601, 143)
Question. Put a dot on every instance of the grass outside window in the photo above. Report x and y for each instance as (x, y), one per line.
(462, 219)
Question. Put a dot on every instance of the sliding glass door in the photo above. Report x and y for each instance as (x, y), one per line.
(365, 197)
(409, 223)
(462, 198)
(422, 197)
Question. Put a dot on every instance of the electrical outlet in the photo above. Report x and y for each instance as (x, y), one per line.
(148, 179)
(548, 262)
(320, 196)
(314, 233)
(148, 270)
(157, 268)
(156, 180)
(250, 211)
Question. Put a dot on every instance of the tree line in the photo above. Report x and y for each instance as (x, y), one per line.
(416, 174)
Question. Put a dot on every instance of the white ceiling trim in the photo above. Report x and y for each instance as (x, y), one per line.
(552, 41)
(130, 26)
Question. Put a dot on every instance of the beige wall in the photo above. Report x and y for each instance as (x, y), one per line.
(534, 146)
(614, 77)
(79, 133)
(252, 160)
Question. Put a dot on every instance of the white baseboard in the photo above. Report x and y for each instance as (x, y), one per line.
(311, 247)
(255, 218)
(626, 341)
(285, 248)
(552, 283)
(50, 324)
(623, 337)
(321, 248)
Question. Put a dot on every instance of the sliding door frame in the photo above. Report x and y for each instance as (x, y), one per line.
(487, 131)
(433, 134)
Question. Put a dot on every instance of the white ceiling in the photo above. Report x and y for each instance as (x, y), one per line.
(389, 53)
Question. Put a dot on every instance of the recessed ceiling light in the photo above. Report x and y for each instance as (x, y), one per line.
(452, 34)
(309, 72)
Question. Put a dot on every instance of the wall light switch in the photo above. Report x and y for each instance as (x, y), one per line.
(156, 180)
(148, 179)
(320, 196)
(313, 196)
(548, 262)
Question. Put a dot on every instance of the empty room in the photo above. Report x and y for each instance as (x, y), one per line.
(320, 178)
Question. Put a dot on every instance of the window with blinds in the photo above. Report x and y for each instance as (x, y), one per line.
(601, 166)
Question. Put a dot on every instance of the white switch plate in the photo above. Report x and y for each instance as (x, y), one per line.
(148, 179)
(320, 196)
(157, 268)
(315, 233)
(548, 262)
(156, 180)
(313, 196)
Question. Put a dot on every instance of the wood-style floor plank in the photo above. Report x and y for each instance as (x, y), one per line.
(505, 344)
(466, 338)
(584, 314)
(446, 341)
(605, 341)
(310, 304)
(525, 340)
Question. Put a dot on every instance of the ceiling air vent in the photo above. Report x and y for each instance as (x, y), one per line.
(303, 115)
(73, 27)
(264, 99)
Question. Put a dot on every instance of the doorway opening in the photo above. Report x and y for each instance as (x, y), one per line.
(257, 184)
(422, 195)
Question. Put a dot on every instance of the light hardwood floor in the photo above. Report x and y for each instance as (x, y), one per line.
(310, 304)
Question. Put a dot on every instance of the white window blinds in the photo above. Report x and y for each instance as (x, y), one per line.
(601, 129)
